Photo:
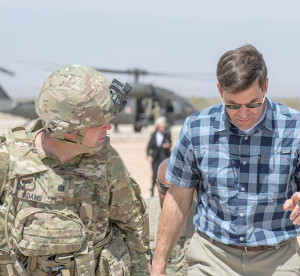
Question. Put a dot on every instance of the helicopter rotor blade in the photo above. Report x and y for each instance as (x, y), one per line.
(181, 75)
(7, 71)
(163, 74)
(187, 75)
(136, 72)
(128, 71)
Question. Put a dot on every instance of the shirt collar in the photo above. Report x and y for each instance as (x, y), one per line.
(271, 118)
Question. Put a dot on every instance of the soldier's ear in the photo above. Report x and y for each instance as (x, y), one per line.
(72, 136)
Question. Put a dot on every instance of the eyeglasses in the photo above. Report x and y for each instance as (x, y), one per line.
(162, 187)
(238, 106)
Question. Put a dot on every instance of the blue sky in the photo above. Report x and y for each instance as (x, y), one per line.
(158, 36)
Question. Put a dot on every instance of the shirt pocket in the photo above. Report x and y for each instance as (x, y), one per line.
(219, 172)
(275, 174)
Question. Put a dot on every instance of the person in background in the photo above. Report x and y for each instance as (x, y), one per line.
(177, 262)
(242, 157)
(68, 204)
(159, 147)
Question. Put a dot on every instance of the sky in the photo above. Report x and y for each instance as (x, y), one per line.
(169, 36)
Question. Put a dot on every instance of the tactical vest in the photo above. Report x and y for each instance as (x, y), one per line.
(56, 219)
(177, 264)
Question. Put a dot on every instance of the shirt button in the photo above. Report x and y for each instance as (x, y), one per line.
(243, 189)
(241, 238)
(246, 138)
(241, 215)
(244, 162)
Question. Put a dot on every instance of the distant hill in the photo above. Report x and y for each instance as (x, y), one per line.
(202, 103)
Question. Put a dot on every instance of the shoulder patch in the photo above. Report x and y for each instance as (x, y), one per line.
(19, 134)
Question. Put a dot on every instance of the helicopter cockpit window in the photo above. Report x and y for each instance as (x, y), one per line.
(156, 109)
(146, 107)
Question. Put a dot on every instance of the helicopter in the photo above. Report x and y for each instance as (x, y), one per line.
(148, 102)
(145, 102)
(19, 108)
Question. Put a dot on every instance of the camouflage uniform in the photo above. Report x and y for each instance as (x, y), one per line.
(82, 218)
(177, 264)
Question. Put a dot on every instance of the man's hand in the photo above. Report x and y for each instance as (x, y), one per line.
(150, 158)
(176, 207)
(154, 273)
(166, 145)
(159, 270)
(293, 204)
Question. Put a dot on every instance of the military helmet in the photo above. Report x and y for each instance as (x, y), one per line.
(76, 97)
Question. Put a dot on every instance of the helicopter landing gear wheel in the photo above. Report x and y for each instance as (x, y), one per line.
(137, 128)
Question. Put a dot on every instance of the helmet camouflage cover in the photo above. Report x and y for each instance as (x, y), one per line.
(75, 97)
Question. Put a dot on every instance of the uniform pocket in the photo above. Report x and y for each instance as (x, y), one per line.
(47, 232)
(8, 224)
(114, 258)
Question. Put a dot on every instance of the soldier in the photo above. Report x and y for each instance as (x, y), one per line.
(177, 263)
(68, 204)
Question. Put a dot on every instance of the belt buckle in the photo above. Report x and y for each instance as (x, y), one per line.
(246, 249)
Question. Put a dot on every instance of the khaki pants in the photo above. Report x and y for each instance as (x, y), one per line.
(211, 258)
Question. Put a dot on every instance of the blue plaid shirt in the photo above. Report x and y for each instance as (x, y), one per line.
(242, 181)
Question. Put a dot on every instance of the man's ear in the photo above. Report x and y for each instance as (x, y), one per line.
(266, 86)
(220, 89)
(72, 136)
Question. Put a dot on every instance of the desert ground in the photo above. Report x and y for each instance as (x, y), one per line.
(130, 145)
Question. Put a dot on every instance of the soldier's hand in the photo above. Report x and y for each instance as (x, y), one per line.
(293, 204)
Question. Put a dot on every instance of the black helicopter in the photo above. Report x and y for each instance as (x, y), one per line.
(145, 102)
(7, 105)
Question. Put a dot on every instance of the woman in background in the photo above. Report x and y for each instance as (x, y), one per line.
(159, 147)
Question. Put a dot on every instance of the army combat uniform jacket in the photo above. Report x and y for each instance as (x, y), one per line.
(82, 218)
(177, 264)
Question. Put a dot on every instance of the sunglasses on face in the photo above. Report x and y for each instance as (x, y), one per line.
(162, 187)
(238, 106)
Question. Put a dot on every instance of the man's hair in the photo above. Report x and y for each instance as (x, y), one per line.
(238, 69)
(160, 120)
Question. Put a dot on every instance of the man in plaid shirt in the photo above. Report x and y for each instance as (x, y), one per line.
(242, 157)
